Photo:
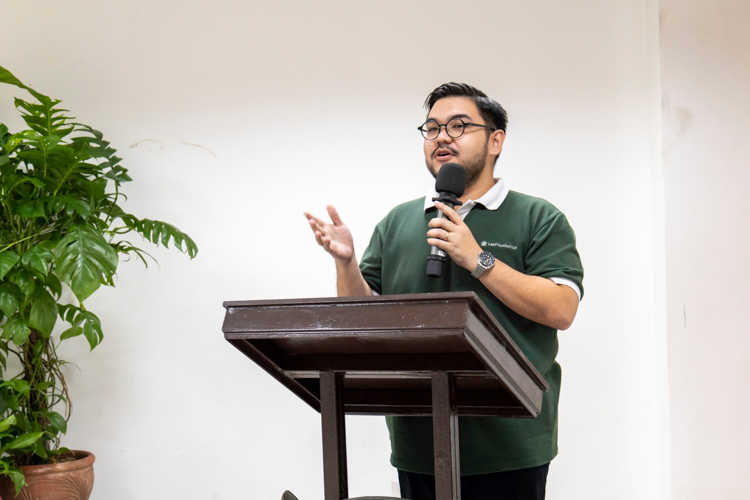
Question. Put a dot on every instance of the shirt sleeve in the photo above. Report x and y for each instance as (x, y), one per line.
(372, 260)
(552, 252)
(563, 281)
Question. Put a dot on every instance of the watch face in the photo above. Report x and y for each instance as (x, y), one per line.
(486, 259)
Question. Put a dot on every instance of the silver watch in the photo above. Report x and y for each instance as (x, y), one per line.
(484, 263)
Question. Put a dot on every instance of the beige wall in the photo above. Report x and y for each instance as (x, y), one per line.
(706, 114)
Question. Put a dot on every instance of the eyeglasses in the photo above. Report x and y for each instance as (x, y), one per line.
(455, 128)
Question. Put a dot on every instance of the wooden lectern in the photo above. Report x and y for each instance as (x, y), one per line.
(440, 354)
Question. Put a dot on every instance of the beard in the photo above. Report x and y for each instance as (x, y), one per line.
(473, 165)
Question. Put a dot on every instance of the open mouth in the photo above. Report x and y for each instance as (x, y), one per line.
(444, 154)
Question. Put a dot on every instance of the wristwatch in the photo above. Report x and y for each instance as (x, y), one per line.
(484, 263)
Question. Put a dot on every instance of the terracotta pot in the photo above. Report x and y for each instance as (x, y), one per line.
(65, 481)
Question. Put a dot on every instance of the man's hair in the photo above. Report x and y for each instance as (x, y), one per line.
(491, 111)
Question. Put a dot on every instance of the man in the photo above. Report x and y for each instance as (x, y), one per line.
(516, 252)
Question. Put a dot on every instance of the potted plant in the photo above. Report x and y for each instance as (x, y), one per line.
(61, 231)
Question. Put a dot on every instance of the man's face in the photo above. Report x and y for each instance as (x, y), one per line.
(469, 150)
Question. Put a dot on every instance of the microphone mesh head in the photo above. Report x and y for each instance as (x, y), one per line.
(451, 178)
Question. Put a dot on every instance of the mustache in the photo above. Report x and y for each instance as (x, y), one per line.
(453, 151)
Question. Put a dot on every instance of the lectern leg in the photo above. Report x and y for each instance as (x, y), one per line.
(334, 436)
(445, 437)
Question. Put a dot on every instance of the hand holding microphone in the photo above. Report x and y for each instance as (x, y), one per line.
(450, 185)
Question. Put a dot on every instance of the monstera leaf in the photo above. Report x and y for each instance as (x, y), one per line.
(83, 258)
(160, 232)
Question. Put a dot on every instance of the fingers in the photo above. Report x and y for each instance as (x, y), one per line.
(310, 216)
(318, 227)
(449, 212)
(454, 237)
(314, 222)
(314, 225)
(318, 232)
(441, 244)
(334, 215)
(440, 234)
(325, 242)
(319, 238)
(443, 224)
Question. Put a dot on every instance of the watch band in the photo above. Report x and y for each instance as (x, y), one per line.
(484, 263)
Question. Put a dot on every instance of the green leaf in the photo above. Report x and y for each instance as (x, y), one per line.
(16, 329)
(21, 386)
(93, 333)
(37, 183)
(161, 232)
(5, 424)
(38, 258)
(90, 334)
(80, 206)
(37, 350)
(53, 283)
(83, 259)
(43, 313)
(7, 77)
(66, 311)
(21, 421)
(18, 480)
(21, 335)
(39, 449)
(8, 302)
(83, 323)
(31, 209)
(71, 332)
(5, 400)
(62, 450)
(8, 259)
(25, 281)
(62, 169)
(25, 440)
(57, 422)
(42, 118)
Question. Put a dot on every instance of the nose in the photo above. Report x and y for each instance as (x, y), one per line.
(443, 136)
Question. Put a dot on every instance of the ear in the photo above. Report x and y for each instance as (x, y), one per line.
(496, 140)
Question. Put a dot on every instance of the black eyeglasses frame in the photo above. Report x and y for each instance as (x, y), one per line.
(440, 127)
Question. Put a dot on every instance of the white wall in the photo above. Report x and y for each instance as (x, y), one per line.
(303, 104)
(706, 74)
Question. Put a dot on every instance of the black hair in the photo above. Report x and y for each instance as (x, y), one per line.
(492, 112)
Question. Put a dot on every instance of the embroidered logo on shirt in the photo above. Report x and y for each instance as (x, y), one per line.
(501, 245)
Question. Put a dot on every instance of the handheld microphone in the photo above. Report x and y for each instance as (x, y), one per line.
(450, 184)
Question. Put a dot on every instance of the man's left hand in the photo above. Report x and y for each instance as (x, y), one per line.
(454, 237)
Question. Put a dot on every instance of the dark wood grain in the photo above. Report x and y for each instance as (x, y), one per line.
(445, 437)
(387, 337)
(440, 354)
(334, 436)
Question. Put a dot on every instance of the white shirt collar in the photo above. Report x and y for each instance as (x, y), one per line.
(491, 200)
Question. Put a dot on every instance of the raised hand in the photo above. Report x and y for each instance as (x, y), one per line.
(334, 237)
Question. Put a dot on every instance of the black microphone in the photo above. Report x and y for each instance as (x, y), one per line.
(450, 184)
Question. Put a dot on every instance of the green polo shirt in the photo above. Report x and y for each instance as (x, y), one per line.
(531, 236)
